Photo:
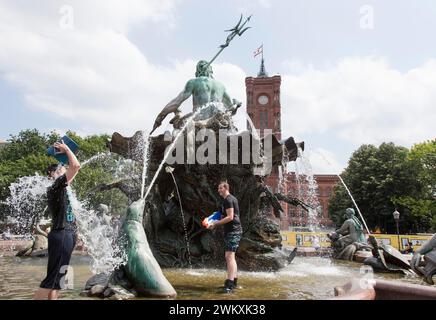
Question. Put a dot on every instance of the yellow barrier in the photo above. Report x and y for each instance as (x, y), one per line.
(305, 239)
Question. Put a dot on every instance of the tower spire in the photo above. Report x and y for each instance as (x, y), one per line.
(262, 71)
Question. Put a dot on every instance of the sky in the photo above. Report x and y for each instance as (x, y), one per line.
(353, 72)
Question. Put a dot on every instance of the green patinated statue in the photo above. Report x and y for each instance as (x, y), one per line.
(142, 269)
(350, 232)
(204, 89)
(428, 251)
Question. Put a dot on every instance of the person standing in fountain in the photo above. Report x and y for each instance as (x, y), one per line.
(232, 232)
(62, 238)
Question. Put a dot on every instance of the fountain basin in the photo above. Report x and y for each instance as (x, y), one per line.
(306, 278)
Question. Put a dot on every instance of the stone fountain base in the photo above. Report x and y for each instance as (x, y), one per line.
(167, 218)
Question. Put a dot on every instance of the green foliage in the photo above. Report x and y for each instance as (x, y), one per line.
(26, 154)
(422, 210)
(90, 145)
(423, 156)
(27, 142)
(387, 178)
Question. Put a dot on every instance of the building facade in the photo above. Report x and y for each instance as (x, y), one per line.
(264, 110)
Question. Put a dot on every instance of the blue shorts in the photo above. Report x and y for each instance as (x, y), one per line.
(232, 240)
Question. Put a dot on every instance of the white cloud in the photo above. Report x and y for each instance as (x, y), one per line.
(324, 162)
(96, 77)
(248, 6)
(93, 75)
(361, 100)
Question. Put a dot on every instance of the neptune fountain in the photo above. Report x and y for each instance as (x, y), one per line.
(163, 228)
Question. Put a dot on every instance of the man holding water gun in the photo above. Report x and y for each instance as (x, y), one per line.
(232, 232)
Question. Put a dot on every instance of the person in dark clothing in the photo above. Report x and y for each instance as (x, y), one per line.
(409, 249)
(232, 232)
(62, 237)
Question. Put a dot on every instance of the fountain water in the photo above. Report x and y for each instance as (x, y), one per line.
(96, 157)
(27, 197)
(348, 191)
(28, 200)
(170, 171)
(309, 188)
(98, 237)
(170, 149)
(143, 150)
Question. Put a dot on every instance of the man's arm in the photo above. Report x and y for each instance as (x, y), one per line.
(74, 165)
(230, 214)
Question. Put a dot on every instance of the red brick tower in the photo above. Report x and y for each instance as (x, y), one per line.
(264, 110)
(263, 101)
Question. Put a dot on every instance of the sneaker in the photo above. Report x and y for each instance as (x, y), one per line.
(229, 285)
(235, 283)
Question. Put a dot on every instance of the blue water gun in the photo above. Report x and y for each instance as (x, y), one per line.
(216, 216)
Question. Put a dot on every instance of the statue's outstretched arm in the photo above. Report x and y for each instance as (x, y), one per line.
(227, 101)
(231, 105)
(173, 105)
(293, 201)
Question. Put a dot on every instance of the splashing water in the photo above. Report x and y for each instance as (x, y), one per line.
(99, 238)
(307, 188)
(27, 202)
(143, 148)
(170, 149)
(96, 157)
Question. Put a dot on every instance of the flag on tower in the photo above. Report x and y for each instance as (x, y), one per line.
(258, 51)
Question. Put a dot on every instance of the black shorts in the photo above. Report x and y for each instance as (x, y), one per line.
(61, 244)
(232, 240)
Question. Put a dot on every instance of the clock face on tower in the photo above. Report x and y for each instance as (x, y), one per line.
(263, 99)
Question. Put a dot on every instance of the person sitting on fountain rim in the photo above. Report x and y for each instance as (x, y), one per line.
(232, 232)
(62, 237)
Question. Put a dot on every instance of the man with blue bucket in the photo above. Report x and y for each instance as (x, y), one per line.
(63, 235)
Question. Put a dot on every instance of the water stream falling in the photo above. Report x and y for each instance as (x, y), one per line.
(309, 188)
(170, 149)
(170, 170)
(98, 156)
(144, 146)
(348, 191)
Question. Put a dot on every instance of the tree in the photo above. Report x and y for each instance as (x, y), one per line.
(26, 155)
(27, 142)
(377, 178)
(423, 207)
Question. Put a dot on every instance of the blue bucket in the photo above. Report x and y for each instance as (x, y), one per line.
(62, 157)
